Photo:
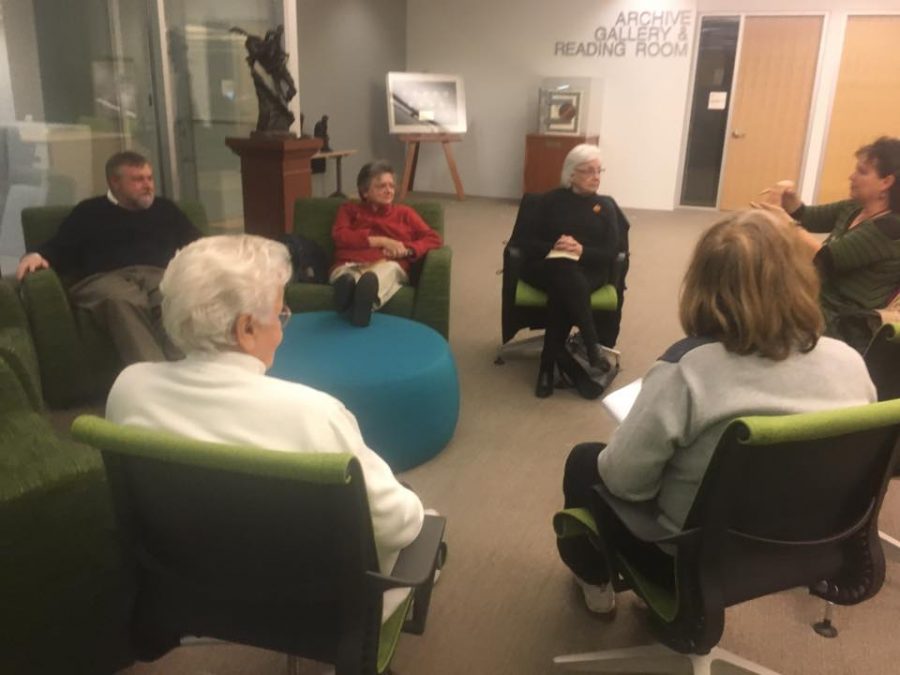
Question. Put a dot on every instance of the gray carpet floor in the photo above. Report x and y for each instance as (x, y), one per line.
(505, 605)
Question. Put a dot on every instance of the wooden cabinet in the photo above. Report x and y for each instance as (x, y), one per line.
(544, 156)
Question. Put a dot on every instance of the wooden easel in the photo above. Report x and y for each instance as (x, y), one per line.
(412, 159)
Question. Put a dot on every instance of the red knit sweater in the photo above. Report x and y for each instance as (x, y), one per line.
(357, 221)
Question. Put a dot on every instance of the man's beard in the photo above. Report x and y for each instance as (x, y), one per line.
(144, 201)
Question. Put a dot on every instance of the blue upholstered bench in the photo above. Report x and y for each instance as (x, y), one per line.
(397, 376)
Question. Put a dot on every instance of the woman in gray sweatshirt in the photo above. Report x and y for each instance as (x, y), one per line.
(754, 346)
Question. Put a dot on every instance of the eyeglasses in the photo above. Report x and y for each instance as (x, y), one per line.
(284, 316)
(590, 172)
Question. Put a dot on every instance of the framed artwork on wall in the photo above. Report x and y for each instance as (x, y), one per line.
(561, 111)
(425, 103)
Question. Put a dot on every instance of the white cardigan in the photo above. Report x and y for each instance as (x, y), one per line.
(226, 397)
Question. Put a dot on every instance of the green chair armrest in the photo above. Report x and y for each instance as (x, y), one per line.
(415, 568)
(16, 350)
(575, 522)
(16, 345)
(433, 291)
(13, 396)
(66, 377)
(891, 332)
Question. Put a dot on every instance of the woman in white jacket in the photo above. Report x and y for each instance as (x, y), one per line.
(223, 307)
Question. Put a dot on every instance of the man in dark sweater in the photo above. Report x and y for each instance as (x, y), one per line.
(115, 249)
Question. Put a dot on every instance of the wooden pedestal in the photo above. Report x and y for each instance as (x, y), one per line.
(544, 157)
(274, 173)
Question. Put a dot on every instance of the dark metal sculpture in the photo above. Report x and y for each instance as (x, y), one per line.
(320, 130)
(274, 84)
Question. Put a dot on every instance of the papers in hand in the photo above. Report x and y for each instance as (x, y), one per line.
(556, 253)
(619, 403)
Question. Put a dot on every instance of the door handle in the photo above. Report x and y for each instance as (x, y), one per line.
(738, 134)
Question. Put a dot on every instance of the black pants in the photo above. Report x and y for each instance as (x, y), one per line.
(568, 286)
(578, 553)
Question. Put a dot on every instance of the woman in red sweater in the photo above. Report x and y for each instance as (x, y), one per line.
(375, 242)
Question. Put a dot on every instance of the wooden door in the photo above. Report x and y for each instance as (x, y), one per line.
(767, 133)
(867, 98)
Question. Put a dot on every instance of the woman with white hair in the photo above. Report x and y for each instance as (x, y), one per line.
(223, 306)
(577, 237)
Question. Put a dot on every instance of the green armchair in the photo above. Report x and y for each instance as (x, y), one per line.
(270, 549)
(65, 586)
(787, 501)
(77, 359)
(427, 300)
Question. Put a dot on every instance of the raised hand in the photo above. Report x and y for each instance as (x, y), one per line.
(783, 194)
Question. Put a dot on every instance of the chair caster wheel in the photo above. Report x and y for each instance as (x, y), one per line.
(825, 629)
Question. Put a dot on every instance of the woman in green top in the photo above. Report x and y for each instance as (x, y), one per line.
(859, 261)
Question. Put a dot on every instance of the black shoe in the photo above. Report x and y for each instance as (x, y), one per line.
(544, 387)
(363, 299)
(343, 292)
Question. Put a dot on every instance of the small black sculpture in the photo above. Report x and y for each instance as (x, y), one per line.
(274, 84)
(321, 131)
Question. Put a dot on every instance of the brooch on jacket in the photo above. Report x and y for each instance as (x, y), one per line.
(597, 208)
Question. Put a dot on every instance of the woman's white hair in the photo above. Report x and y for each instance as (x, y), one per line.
(580, 154)
(212, 281)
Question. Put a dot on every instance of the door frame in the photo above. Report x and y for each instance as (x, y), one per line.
(841, 21)
(817, 84)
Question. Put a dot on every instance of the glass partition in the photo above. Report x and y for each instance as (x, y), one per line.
(78, 90)
(213, 96)
(709, 110)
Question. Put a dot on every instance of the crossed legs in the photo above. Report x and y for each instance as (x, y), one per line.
(568, 286)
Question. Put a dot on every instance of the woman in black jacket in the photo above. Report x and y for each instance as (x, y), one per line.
(570, 256)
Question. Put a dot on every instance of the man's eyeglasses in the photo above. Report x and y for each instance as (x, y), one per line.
(590, 172)
(284, 316)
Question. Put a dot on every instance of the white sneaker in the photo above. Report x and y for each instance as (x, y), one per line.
(599, 599)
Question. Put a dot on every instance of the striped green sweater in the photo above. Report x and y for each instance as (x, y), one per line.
(860, 267)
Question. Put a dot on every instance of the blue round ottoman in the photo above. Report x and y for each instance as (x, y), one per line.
(396, 376)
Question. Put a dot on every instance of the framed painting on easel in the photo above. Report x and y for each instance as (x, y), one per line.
(422, 103)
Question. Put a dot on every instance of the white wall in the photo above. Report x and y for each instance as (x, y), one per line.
(503, 48)
(346, 48)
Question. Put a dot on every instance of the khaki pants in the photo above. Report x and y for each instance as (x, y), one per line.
(127, 302)
(391, 277)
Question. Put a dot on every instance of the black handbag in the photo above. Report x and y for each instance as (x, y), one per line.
(307, 258)
(590, 381)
